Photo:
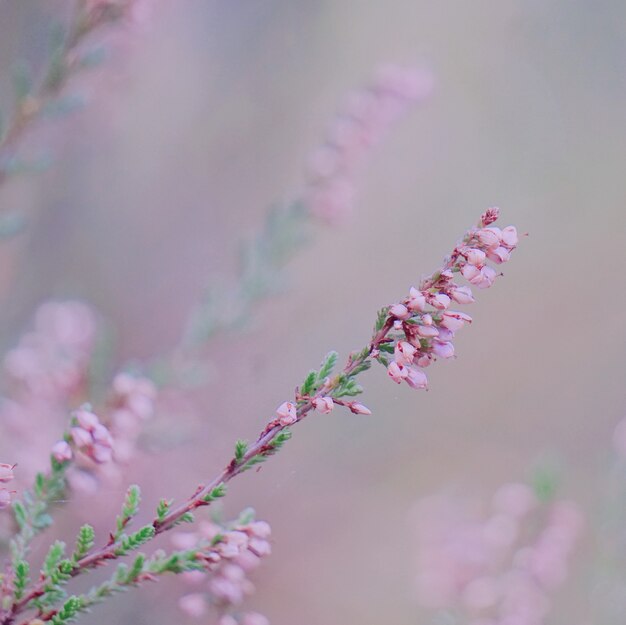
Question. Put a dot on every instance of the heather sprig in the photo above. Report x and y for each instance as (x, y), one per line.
(399, 329)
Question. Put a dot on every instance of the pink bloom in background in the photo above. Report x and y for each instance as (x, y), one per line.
(497, 564)
(45, 375)
(238, 553)
(366, 118)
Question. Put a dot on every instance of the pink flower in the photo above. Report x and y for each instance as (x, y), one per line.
(324, 404)
(416, 300)
(440, 301)
(427, 331)
(454, 321)
(499, 255)
(397, 372)
(86, 419)
(399, 311)
(482, 278)
(489, 237)
(61, 451)
(509, 237)
(260, 529)
(487, 277)
(475, 257)
(404, 352)
(443, 349)
(357, 408)
(462, 295)
(416, 378)
(82, 438)
(287, 413)
(6, 473)
(193, 605)
(423, 360)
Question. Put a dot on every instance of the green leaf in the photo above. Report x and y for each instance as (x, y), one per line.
(216, 493)
(129, 509)
(381, 318)
(135, 540)
(327, 366)
(309, 385)
(84, 542)
(163, 508)
(54, 556)
(22, 578)
(241, 447)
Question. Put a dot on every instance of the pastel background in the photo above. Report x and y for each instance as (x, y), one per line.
(205, 119)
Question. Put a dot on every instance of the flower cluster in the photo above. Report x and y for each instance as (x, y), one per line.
(132, 402)
(366, 118)
(424, 321)
(46, 374)
(238, 552)
(6, 476)
(51, 361)
(91, 437)
(497, 568)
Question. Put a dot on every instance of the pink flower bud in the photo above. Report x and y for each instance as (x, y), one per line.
(227, 619)
(100, 453)
(323, 404)
(6, 497)
(260, 547)
(416, 378)
(102, 435)
(454, 321)
(427, 331)
(445, 334)
(416, 301)
(82, 438)
(61, 451)
(193, 605)
(260, 529)
(86, 419)
(488, 276)
(482, 278)
(443, 349)
(489, 237)
(490, 215)
(462, 295)
(287, 413)
(357, 408)
(404, 353)
(499, 255)
(397, 372)
(399, 311)
(423, 360)
(509, 237)
(440, 301)
(475, 257)
(6, 473)
(427, 319)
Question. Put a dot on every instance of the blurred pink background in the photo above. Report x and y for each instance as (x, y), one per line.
(206, 118)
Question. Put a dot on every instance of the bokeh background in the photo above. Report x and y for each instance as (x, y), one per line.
(204, 120)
